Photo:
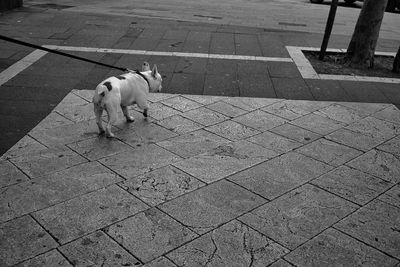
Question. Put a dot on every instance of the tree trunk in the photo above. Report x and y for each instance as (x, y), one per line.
(396, 63)
(361, 49)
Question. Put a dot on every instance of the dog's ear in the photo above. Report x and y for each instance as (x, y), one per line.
(154, 71)
(145, 66)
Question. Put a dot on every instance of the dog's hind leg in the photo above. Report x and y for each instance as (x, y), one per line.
(112, 119)
(98, 111)
(126, 114)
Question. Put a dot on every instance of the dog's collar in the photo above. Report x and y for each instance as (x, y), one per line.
(141, 75)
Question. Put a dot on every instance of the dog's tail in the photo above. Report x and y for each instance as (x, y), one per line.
(101, 90)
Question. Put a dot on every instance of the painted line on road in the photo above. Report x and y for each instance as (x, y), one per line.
(20, 65)
(307, 71)
(162, 53)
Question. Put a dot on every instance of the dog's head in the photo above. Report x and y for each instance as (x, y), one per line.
(155, 79)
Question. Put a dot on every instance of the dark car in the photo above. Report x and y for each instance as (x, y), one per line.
(391, 5)
(347, 1)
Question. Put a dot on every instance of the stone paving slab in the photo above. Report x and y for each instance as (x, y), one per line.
(296, 133)
(24, 146)
(65, 134)
(392, 196)
(376, 224)
(150, 234)
(21, 239)
(224, 160)
(299, 215)
(141, 132)
(233, 244)
(161, 185)
(274, 142)
(205, 116)
(98, 147)
(318, 124)
(226, 109)
(47, 161)
(10, 174)
(79, 216)
(193, 143)
(378, 163)
(273, 178)
(281, 263)
(329, 152)
(333, 248)
(338, 113)
(32, 195)
(179, 124)
(352, 184)
(232, 130)
(179, 189)
(97, 249)
(260, 120)
(391, 146)
(211, 206)
(160, 262)
(375, 128)
(53, 258)
(354, 139)
(140, 160)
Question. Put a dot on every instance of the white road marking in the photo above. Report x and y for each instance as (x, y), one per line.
(24, 63)
(304, 66)
(308, 72)
(20, 65)
(162, 53)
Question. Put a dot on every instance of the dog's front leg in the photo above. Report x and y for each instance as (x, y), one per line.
(145, 106)
(126, 114)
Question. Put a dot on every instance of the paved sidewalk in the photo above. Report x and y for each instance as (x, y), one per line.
(206, 181)
(29, 96)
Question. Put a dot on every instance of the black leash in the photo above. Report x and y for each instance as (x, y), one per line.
(8, 39)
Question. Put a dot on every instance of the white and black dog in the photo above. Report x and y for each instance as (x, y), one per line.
(122, 91)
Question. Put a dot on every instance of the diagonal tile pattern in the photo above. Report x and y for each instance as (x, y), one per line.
(215, 248)
(299, 215)
(224, 181)
(377, 224)
(333, 248)
(99, 249)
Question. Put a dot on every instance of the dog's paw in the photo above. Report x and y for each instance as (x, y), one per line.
(130, 119)
(110, 135)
